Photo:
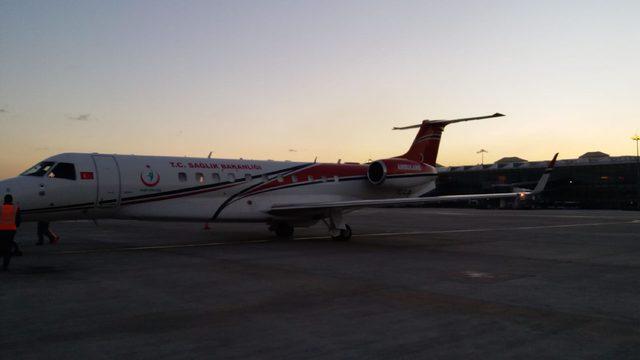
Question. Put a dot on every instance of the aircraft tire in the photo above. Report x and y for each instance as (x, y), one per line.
(284, 230)
(345, 235)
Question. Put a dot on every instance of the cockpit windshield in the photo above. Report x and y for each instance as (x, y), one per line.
(39, 169)
(63, 171)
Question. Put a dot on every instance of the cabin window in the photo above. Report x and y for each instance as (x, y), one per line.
(231, 177)
(294, 178)
(309, 178)
(63, 171)
(39, 169)
(200, 178)
(215, 177)
(280, 179)
(248, 177)
(182, 177)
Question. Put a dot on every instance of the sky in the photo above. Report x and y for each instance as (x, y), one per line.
(297, 80)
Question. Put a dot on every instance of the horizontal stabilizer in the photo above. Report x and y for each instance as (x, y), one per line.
(446, 122)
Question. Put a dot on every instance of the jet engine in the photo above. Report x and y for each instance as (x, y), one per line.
(403, 172)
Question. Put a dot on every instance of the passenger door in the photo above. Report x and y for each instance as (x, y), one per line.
(108, 181)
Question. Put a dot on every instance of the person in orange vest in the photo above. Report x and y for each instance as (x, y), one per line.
(9, 223)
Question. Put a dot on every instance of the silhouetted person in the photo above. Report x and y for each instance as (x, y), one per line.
(9, 222)
(44, 230)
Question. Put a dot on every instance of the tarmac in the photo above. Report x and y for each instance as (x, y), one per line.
(412, 283)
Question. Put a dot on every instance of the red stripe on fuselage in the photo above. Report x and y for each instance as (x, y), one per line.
(317, 171)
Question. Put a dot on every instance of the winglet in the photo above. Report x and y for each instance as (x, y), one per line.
(542, 183)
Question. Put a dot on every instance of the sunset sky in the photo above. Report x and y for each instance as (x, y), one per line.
(299, 79)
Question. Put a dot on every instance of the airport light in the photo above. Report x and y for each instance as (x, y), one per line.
(636, 138)
(481, 152)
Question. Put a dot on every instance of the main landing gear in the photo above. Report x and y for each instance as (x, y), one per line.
(338, 230)
(343, 234)
(282, 230)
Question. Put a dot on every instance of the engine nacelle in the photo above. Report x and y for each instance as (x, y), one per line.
(407, 172)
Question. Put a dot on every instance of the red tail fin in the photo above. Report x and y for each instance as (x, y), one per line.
(425, 145)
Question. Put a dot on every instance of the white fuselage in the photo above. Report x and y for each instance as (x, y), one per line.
(193, 189)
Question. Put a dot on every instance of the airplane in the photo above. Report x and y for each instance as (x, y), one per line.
(281, 194)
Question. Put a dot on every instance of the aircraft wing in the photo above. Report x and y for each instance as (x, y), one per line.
(319, 207)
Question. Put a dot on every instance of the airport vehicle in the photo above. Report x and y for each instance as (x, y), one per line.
(283, 195)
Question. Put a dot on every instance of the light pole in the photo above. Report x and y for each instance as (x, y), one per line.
(637, 139)
(481, 152)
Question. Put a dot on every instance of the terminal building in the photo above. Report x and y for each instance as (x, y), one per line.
(595, 180)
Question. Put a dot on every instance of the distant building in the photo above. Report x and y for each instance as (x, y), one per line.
(593, 155)
(594, 180)
(511, 159)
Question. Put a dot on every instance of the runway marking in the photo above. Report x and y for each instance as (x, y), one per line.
(178, 246)
(477, 274)
(450, 213)
(432, 211)
(478, 230)
(159, 247)
(562, 216)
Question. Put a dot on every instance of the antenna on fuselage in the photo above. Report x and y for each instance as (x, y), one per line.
(210, 152)
(315, 160)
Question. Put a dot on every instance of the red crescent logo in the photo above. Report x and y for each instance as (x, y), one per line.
(154, 177)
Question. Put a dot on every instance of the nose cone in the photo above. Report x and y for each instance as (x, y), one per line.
(8, 186)
(20, 188)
